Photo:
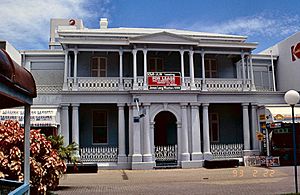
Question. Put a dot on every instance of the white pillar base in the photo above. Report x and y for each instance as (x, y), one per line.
(192, 164)
(207, 156)
(193, 87)
(204, 87)
(197, 156)
(65, 87)
(147, 158)
(185, 156)
(122, 158)
(142, 165)
(136, 158)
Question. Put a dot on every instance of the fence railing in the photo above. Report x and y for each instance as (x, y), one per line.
(13, 187)
(166, 153)
(99, 154)
(223, 151)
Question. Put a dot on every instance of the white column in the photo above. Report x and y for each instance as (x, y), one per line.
(65, 123)
(196, 136)
(204, 87)
(121, 134)
(185, 155)
(252, 74)
(27, 144)
(246, 127)
(135, 84)
(273, 72)
(192, 76)
(243, 69)
(130, 132)
(65, 85)
(75, 70)
(75, 125)
(28, 65)
(182, 69)
(121, 87)
(206, 139)
(254, 127)
(147, 155)
(136, 156)
(145, 69)
(152, 140)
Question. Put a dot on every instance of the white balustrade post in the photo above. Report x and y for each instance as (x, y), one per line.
(206, 139)
(147, 155)
(145, 69)
(182, 69)
(75, 87)
(121, 130)
(254, 127)
(185, 155)
(65, 123)
(196, 136)
(246, 127)
(65, 85)
(135, 84)
(192, 75)
(204, 87)
(136, 156)
(75, 125)
(28, 65)
(121, 87)
(152, 140)
(27, 144)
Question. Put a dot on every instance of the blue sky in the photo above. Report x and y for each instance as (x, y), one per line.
(26, 23)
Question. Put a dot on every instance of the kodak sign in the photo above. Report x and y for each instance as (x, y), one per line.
(295, 51)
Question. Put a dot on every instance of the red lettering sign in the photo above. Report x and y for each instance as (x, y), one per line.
(164, 80)
(295, 51)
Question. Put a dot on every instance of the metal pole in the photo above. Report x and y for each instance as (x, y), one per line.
(295, 154)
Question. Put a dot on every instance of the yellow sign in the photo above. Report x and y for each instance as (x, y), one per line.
(279, 117)
(259, 136)
(262, 117)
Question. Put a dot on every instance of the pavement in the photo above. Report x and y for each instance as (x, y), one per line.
(241, 180)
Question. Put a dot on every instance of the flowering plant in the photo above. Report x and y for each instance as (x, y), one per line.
(46, 166)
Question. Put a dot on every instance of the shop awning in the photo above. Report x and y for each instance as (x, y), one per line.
(282, 114)
(38, 117)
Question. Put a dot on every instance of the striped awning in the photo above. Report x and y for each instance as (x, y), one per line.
(38, 117)
(282, 114)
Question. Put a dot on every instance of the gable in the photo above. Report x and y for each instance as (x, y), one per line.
(164, 38)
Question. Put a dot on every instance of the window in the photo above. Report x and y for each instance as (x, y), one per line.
(98, 66)
(100, 135)
(156, 64)
(211, 68)
(214, 127)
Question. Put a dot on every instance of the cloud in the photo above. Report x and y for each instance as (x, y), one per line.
(26, 23)
(266, 25)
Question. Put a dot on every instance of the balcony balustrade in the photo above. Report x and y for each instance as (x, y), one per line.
(113, 84)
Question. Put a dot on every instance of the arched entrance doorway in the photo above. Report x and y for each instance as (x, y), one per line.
(165, 139)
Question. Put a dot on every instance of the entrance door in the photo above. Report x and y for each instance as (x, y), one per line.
(165, 139)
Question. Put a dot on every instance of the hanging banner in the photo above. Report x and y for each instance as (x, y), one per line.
(164, 80)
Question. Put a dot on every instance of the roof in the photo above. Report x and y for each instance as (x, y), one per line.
(132, 32)
(17, 84)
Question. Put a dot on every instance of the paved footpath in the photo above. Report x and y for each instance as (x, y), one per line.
(242, 180)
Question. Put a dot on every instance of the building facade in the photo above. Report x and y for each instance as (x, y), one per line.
(139, 98)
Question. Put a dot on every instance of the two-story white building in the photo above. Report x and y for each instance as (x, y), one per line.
(143, 97)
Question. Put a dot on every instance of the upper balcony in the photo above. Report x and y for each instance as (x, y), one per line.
(120, 70)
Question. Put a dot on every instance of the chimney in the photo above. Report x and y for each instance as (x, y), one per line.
(103, 23)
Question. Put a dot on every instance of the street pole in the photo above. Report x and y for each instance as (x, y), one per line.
(295, 149)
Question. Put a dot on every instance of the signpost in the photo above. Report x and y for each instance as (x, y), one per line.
(164, 80)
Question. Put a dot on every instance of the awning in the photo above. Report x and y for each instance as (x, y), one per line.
(39, 117)
(282, 114)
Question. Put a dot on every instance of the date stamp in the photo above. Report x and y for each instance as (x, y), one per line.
(254, 173)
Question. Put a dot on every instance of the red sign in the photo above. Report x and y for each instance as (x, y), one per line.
(164, 80)
(295, 51)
